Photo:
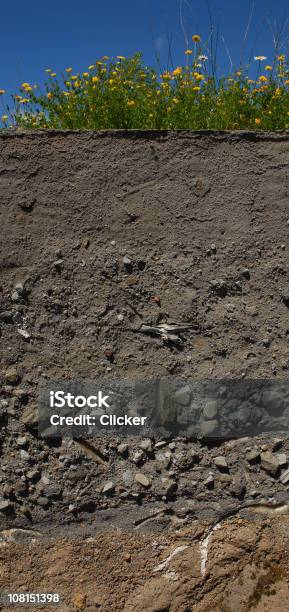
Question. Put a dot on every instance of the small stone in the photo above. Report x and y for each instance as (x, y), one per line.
(183, 395)
(269, 463)
(80, 601)
(22, 441)
(33, 475)
(5, 505)
(138, 457)
(29, 416)
(43, 501)
(58, 264)
(108, 488)
(160, 444)
(221, 463)
(253, 455)
(209, 482)
(238, 487)
(127, 262)
(142, 480)
(122, 449)
(45, 480)
(146, 445)
(169, 487)
(24, 455)
(12, 376)
(282, 459)
(209, 427)
(285, 477)
(210, 410)
(219, 287)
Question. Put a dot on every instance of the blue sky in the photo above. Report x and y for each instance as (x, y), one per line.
(55, 34)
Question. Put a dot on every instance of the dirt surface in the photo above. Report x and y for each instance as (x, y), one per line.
(103, 233)
(245, 567)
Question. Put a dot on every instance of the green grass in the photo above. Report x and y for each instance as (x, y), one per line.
(123, 93)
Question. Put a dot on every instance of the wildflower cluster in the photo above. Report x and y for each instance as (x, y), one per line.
(123, 93)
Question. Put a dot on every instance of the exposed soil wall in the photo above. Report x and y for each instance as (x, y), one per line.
(104, 232)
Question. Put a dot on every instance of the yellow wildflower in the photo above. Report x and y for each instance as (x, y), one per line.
(24, 85)
(239, 73)
(287, 82)
(4, 117)
(95, 79)
(2, 91)
(24, 101)
(74, 77)
(198, 76)
(53, 74)
(196, 88)
(258, 121)
(188, 52)
(178, 71)
(49, 95)
(85, 74)
(68, 69)
(91, 67)
(48, 70)
(175, 100)
(263, 79)
(196, 38)
(281, 58)
(268, 67)
(166, 76)
(131, 103)
(120, 57)
(105, 58)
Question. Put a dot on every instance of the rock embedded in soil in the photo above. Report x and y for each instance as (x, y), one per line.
(270, 463)
(142, 480)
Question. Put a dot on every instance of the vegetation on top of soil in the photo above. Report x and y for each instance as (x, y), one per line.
(123, 93)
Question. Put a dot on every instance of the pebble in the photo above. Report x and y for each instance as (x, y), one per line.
(146, 445)
(209, 480)
(109, 487)
(4, 505)
(285, 477)
(22, 441)
(253, 455)
(142, 480)
(43, 501)
(122, 449)
(12, 376)
(210, 410)
(221, 463)
(208, 427)
(24, 455)
(138, 457)
(270, 463)
(183, 395)
(282, 459)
